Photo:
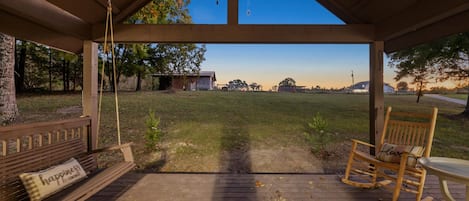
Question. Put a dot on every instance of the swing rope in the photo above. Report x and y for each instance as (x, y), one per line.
(109, 30)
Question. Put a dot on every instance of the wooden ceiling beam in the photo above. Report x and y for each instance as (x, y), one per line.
(145, 33)
(233, 12)
(443, 28)
(339, 11)
(422, 14)
(26, 30)
(130, 10)
(48, 15)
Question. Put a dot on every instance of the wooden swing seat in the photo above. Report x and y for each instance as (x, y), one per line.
(37, 146)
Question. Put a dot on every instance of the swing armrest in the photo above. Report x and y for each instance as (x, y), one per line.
(126, 150)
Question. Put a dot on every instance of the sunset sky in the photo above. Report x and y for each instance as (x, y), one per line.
(310, 65)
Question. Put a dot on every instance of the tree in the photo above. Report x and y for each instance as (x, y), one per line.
(177, 58)
(415, 63)
(402, 86)
(254, 86)
(141, 59)
(237, 84)
(8, 108)
(173, 58)
(40, 67)
(287, 82)
(446, 59)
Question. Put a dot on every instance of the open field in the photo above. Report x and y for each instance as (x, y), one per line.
(244, 131)
(457, 96)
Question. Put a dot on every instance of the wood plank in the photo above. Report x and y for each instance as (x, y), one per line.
(46, 14)
(443, 28)
(419, 15)
(130, 9)
(189, 33)
(15, 131)
(211, 187)
(340, 11)
(90, 88)
(233, 12)
(376, 107)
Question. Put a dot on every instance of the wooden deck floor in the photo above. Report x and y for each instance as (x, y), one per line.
(254, 187)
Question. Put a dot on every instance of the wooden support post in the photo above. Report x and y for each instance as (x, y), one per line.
(90, 86)
(232, 12)
(376, 92)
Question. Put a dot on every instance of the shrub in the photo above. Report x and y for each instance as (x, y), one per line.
(317, 136)
(153, 134)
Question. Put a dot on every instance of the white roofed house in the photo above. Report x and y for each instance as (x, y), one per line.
(204, 80)
(363, 87)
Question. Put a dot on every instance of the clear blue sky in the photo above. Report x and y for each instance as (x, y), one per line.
(310, 65)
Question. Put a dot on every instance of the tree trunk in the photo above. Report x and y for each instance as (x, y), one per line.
(50, 70)
(19, 75)
(67, 75)
(75, 74)
(466, 109)
(64, 76)
(139, 81)
(419, 93)
(8, 108)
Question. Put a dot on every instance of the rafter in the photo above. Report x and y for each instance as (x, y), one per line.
(233, 12)
(27, 30)
(446, 27)
(47, 15)
(422, 14)
(129, 10)
(239, 33)
(338, 10)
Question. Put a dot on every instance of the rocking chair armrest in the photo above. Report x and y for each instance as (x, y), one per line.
(403, 163)
(126, 150)
(405, 155)
(355, 141)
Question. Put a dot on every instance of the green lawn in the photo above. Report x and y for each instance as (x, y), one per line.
(200, 126)
(457, 96)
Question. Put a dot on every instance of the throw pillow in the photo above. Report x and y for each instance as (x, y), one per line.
(44, 183)
(392, 153)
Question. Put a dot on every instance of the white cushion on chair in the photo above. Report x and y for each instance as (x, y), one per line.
(392, 153)
(46, 182)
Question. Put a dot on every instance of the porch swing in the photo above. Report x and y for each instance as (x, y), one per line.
(28, 152)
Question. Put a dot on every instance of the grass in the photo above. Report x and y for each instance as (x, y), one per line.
(457, 96)
(200, 126)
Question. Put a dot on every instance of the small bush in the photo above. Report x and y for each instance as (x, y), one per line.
(317, 136)
(153, 133)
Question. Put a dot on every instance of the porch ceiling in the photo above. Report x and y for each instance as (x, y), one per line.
(65, 24)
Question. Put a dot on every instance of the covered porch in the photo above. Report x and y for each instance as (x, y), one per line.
(387, 26)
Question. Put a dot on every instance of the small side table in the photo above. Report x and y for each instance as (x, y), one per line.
(448, 169)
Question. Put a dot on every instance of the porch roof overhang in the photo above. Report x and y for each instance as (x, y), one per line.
(65, 24)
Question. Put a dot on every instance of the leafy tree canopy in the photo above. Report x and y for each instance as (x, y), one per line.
(287, 82)
(237, 84)
(444, 59)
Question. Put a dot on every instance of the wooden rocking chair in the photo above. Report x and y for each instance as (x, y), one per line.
(406, 136)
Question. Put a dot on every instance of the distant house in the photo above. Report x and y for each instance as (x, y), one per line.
(363, 87)
(204, 80)
(293, 89)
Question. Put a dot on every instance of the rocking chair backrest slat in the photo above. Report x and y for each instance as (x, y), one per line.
(409, 129)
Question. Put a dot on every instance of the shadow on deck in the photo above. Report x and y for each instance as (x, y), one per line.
(268, 187)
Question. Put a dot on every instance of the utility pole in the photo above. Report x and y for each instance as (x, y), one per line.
(353, 82)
